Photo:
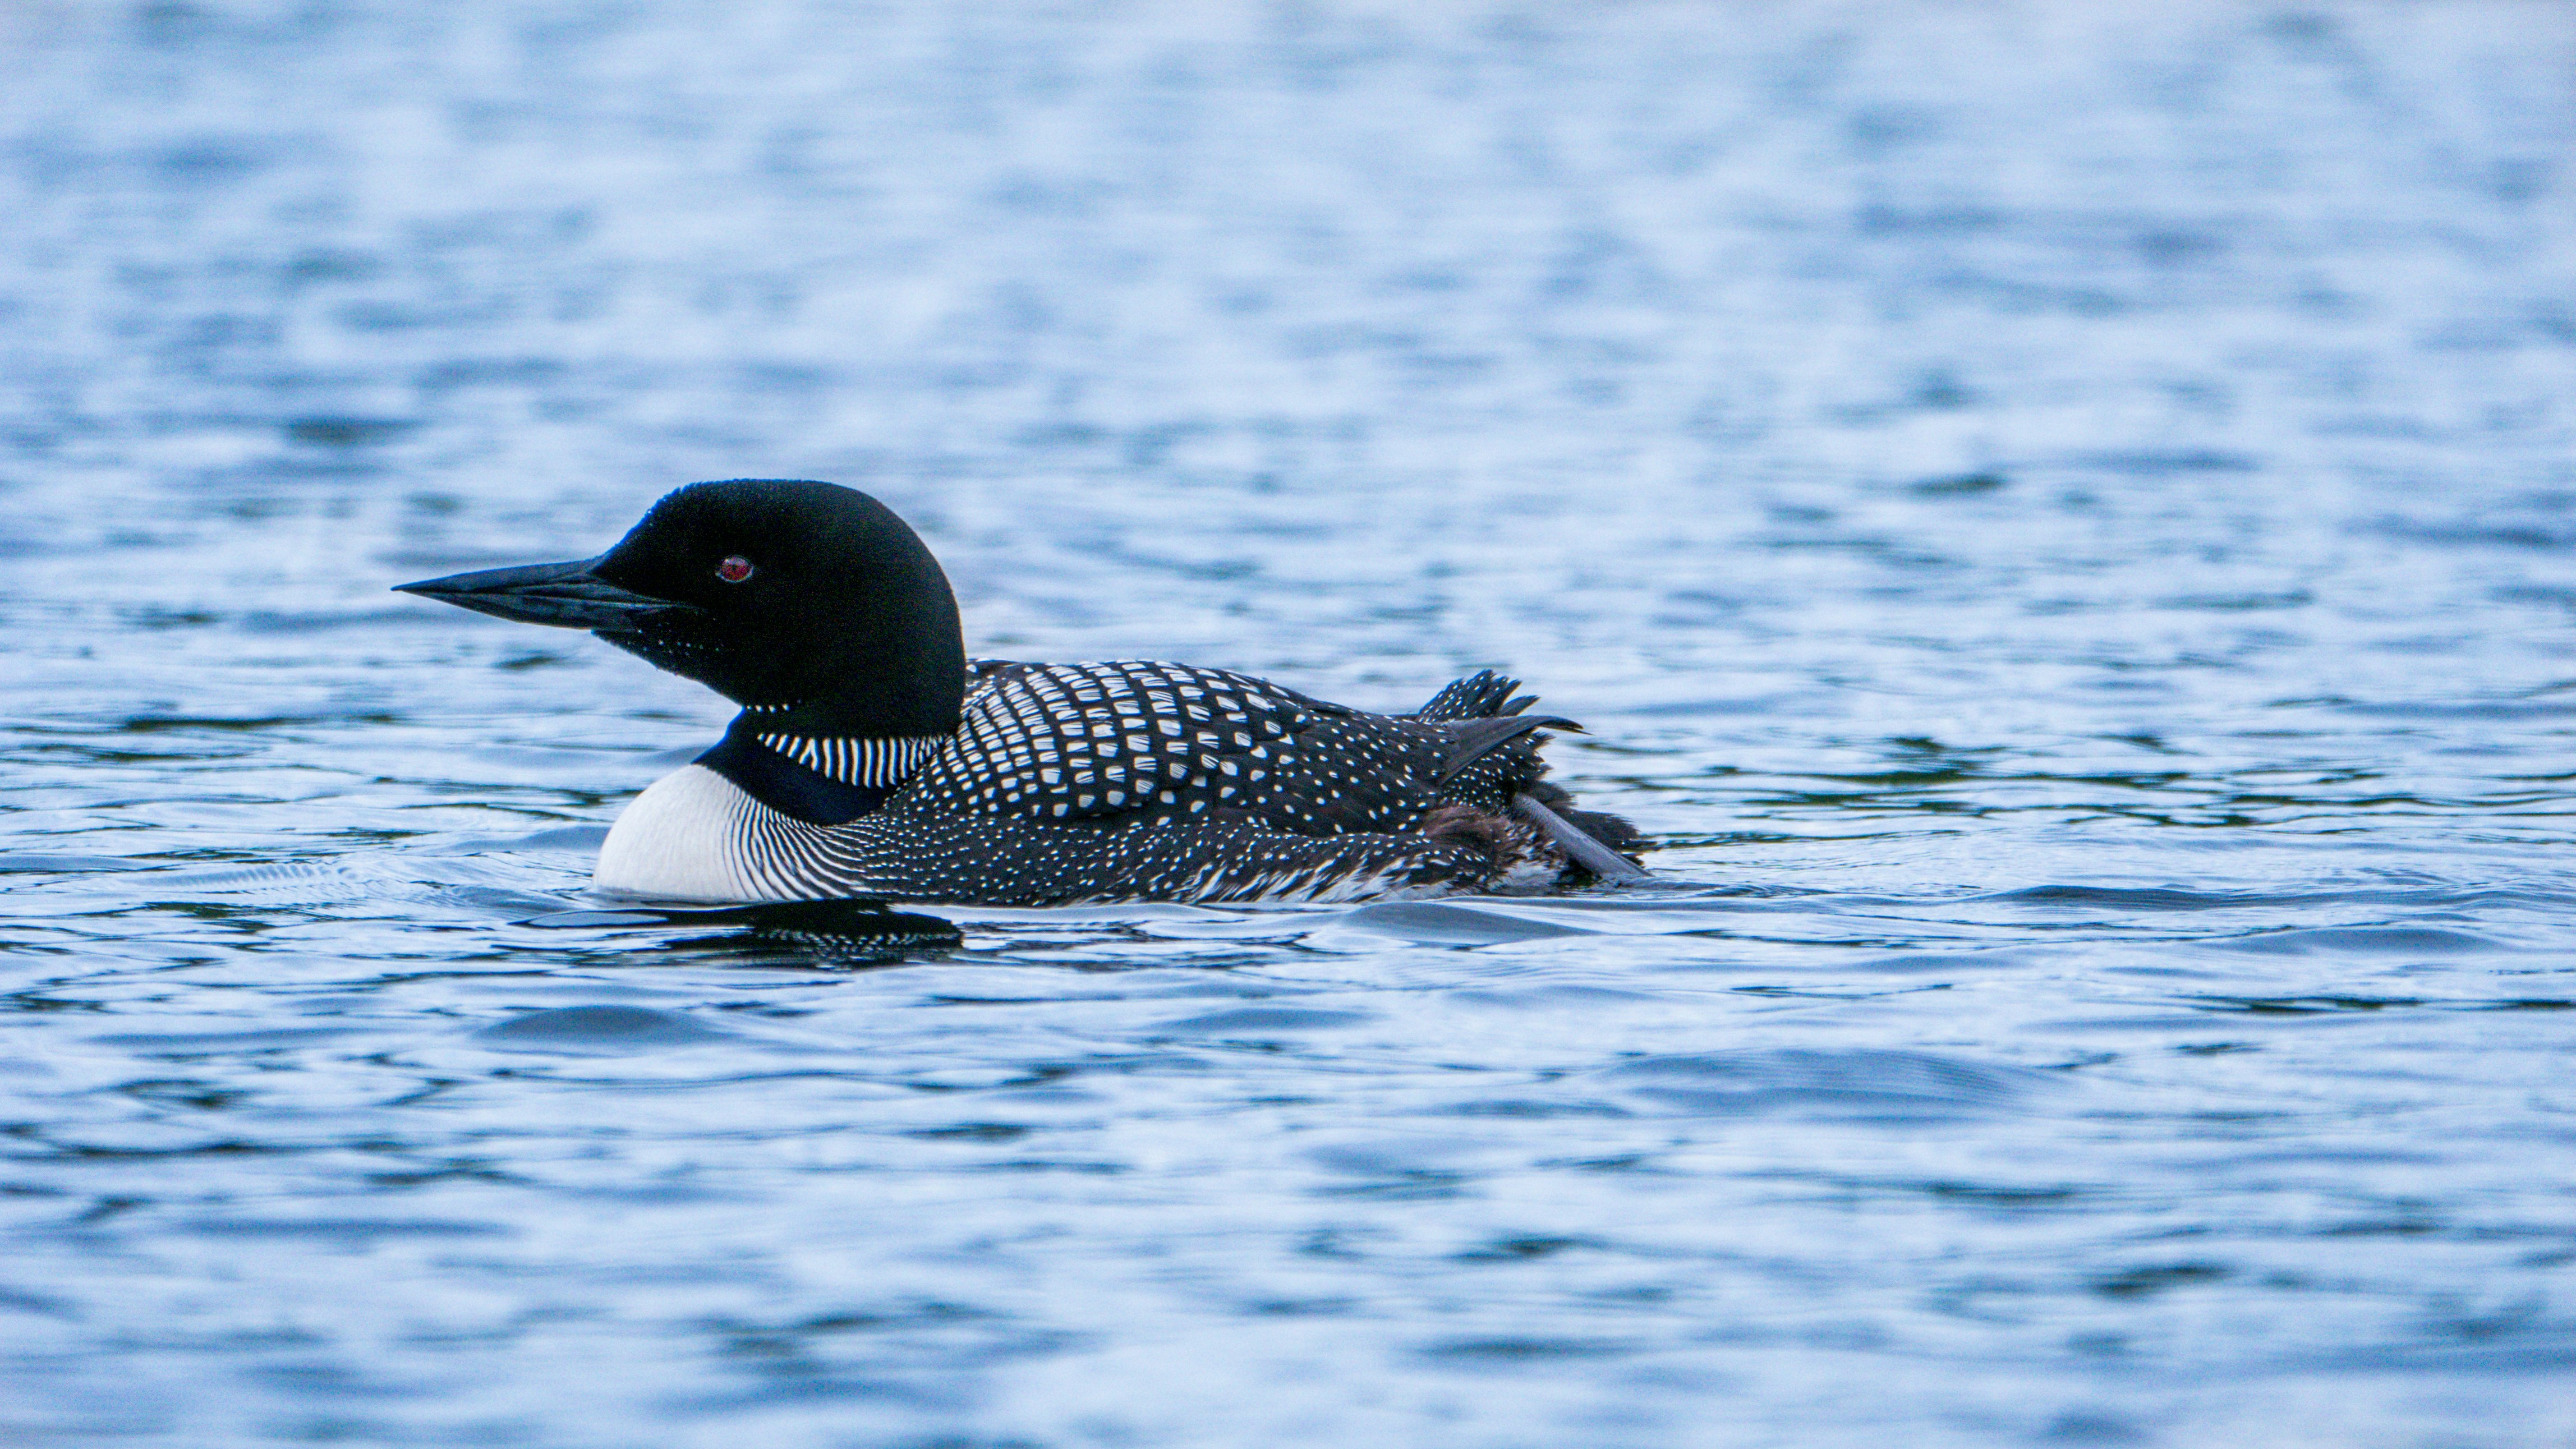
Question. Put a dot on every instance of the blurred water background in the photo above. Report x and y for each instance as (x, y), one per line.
(2058, 515)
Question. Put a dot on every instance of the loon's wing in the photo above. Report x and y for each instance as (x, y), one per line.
(1481, 695)
(1150, 743)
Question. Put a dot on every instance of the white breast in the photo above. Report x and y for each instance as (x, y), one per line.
(682, 840)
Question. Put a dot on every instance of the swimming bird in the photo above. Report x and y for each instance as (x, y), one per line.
(871, 758)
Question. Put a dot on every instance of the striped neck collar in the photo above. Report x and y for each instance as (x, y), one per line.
(877, 762)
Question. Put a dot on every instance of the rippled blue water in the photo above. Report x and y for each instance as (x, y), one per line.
(2057, 515)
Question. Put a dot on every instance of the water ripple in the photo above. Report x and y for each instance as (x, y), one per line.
(2055, 519)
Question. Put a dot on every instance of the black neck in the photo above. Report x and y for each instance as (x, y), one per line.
(784, 785)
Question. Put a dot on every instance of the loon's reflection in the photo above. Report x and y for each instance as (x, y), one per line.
(838, 932)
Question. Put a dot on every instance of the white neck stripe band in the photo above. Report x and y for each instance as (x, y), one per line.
(859, 760)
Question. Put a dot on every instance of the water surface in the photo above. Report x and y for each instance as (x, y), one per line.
(2057, 517)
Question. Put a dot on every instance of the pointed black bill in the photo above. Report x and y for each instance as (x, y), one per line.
(567, 595)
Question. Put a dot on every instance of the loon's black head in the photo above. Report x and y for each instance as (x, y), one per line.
(810, 604)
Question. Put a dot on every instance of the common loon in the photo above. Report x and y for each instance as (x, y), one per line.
(871, 758)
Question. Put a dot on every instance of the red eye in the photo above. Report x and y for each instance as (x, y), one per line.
(734, 570)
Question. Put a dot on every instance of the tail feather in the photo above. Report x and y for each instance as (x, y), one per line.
(1481, 695)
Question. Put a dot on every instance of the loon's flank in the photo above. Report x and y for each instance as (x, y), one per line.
(871, 758)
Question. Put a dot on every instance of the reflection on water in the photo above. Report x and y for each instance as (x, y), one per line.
(843, 932)
(2057, 516)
